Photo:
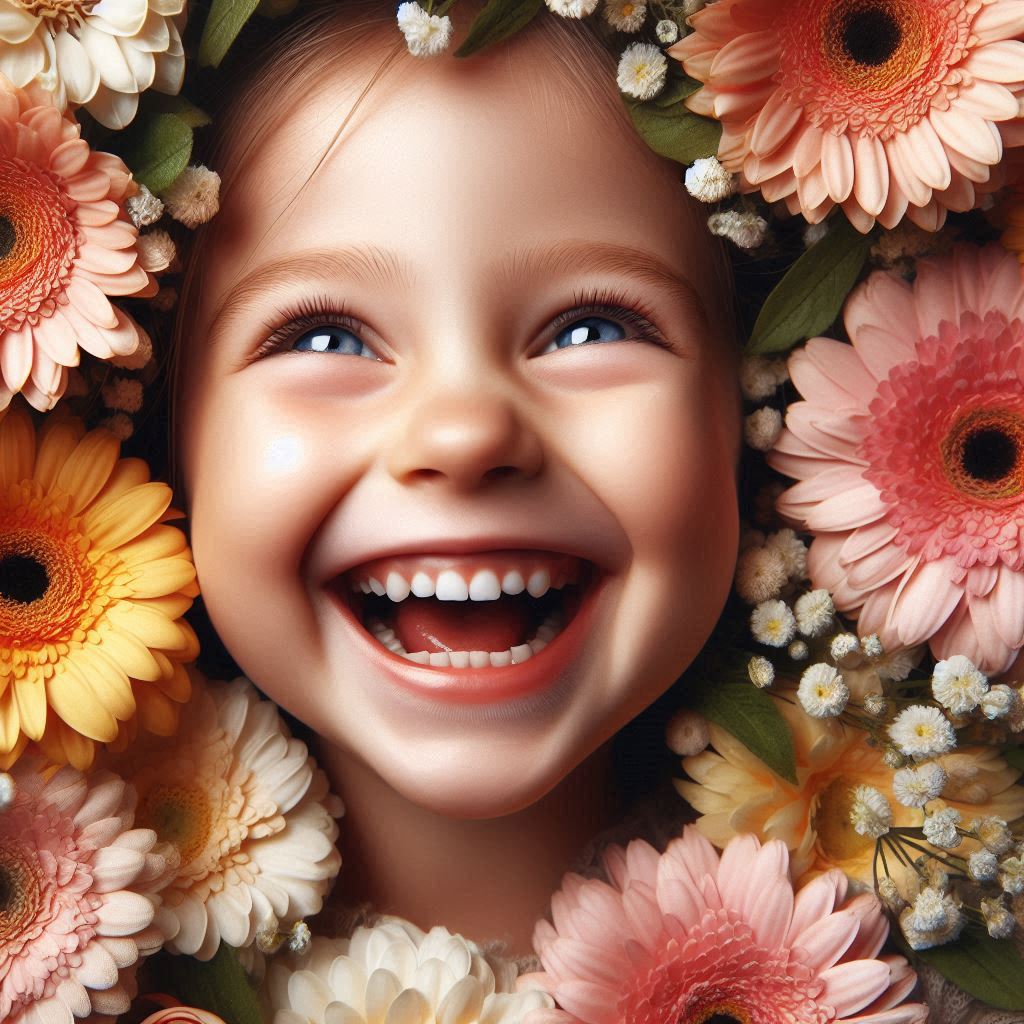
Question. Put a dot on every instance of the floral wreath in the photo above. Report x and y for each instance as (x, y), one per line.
(852, 751)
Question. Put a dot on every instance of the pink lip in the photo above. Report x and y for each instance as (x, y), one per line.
(484, 685)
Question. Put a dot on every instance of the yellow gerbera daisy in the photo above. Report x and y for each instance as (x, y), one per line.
(92, 590)
(736, 792)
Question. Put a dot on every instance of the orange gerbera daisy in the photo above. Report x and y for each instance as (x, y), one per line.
(66, 244)
(92, 589)
(885, 107)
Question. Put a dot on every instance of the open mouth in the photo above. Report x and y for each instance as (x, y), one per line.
(487, 609)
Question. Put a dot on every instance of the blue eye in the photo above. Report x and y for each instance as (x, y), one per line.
(586, 331)
(331, 338)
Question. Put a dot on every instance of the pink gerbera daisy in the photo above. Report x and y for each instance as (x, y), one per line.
(77, 895)
(685, 937)
(886, 107)
(65, 245)
(910, 452)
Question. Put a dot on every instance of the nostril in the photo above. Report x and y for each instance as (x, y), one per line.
(500, 472)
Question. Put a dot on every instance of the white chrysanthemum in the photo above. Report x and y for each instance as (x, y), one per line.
(396, 972)
(999, 701)
(707, 180)
(759, 377)
(625, 15)
(983, 866)
(760, 575)
(922, 732)
(822, 692)
(572, 8)
(248, 812)
(1011, 875)
(144, 208)
(870, 813)
(940, 907)
(872, 646)
(761, 671)
(642, 71)
(940, 828)
(843, 645)
(993, 833)
(793, 551)
(958, 685)
(426, 35)
(772, 623)
(96, 55)
(194, 198)
(666, 30)
(798, 650)
(914, 787)
(998, 920)
(814, 612)
(744, 229)
(761, 429)
(932, 908)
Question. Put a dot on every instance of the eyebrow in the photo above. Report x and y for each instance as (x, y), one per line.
(379, 266)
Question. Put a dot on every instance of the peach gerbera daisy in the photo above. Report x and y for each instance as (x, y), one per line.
(79, 895)
(885, 107)
(250, 816)
(66, 244)
(688, 937)
(92, 589)
(736, 792)
(910, 451)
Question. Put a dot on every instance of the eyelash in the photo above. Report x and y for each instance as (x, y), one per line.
(319, 311)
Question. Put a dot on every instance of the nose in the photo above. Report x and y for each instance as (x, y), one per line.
(466, 441)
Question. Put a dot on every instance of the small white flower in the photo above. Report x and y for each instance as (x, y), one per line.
(870, 812)
(949, 913)
(7, 790)
(982, 866)
(993, 833)
(896, 665)
(157, 251)
(814, 612)
(914, 787)
(892, 758)
(958, 685)
(876, 705)
(761, 671)
(890, 895)
(122, 394)
(931, 909)
(998, 920)
(194, 198)
(642, 71)
(426, 35)
(745, 230)
(921, 732)
(772, 623)
(814, 233)
(843, 645)
(940, 829)
(759, 377)
(798, 650)
(572, 8)
(793, 551)
(299, 938)
(687, 733)
(1011, 875)
(691, 7)
(760, 575)
(707, 180)
(762, 427)
(872, 646)
(998, 701)
(822, 692)
(625, 15)
(667, 31)
(144, 208)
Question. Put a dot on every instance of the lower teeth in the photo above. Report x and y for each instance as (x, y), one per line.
(546, 632)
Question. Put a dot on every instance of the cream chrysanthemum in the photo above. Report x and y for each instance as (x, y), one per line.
(394, 971)
(736, 792)
(79, 895)
(92, 590)
(248, 812)
(99, 54)
(66, 244)
(885, 107)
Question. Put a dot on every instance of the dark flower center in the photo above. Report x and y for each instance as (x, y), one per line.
(22, 579)
(983, 454)
(870, 35)
(8, 237)
(989, 454)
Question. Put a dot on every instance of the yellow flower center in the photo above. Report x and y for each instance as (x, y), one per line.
(872, 44)
(628, 9)
(20, 891)
(180, 815)
(983, 454)
(831, 822)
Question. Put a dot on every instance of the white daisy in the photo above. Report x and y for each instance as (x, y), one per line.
(940, 828)
(625, 15)
(761, 429)
(793, 551)
(814, 611)
(743, 228)
(999, 701)
(772, 623)
(914, 787)
(194, 197)
(642, 71)
(667, 31)
(572, 8)
(761, 671)
(870, 813)
(426, 35)
(822, 692)
(708, 181)
(983, 866)
(760, 575)
(958, 685)
(922, 732)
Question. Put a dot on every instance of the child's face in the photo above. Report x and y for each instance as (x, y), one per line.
(477, 221)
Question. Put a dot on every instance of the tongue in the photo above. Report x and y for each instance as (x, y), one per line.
(426, 624)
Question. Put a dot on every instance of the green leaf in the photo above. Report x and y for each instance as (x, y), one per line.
(498, 20)
(812, 293)
(676, 91)
(989, 969)
(219, 985)
(724, 694)
(225, 21)
(159, 151)
(193, 116)
(1014, 756)
(674, 131)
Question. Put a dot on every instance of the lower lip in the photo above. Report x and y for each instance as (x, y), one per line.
(484, 685)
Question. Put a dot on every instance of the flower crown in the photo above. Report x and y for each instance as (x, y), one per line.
(862, 156)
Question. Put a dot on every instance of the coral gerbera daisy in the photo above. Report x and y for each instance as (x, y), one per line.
(885, 107)
(395, 971)
(736, 792)
(686, 936)
(78, 896)
(66, 244)
(910, 451)
(92, 587)
(249, 813)
(99, 55)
